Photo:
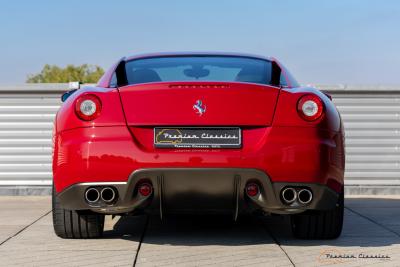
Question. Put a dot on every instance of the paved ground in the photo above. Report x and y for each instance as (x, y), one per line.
(372, 228)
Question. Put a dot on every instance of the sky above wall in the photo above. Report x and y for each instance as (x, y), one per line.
(320, 41)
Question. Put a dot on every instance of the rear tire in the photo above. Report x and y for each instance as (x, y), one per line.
(319, 224)
(75, 224)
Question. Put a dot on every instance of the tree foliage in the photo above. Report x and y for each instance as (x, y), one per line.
(53, 74)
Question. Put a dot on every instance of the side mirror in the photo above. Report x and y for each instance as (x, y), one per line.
(72, 86)
(67, 94)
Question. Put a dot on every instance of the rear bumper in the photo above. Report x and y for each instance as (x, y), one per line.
(112, 154)
(198, 190)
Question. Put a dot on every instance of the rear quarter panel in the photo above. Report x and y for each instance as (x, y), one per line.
(111, 111)
(286, 110)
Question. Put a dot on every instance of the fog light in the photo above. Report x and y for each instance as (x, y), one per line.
(145, 189)
(252, 189)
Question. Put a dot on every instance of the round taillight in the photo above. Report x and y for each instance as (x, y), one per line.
(310, 107)
(145, 189)
(88, 107)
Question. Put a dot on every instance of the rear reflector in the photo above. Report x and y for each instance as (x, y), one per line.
(252, 189)
(145, 189)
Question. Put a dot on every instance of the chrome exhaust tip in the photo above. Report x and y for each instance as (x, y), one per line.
(92, 195)
(108, 194)
(304, 196)
(289, 195)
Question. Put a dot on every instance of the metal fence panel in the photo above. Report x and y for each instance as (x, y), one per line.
(26, 121)
(372, 125)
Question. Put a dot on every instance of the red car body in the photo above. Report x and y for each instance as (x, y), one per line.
(279, 148)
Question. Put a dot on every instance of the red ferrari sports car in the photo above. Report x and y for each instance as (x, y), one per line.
(209, 133)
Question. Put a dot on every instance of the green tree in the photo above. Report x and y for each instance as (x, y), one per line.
(53, 74)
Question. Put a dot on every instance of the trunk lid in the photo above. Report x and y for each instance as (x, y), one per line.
(199, 104)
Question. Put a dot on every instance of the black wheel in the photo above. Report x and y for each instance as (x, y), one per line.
(319, 224)
(76, 224)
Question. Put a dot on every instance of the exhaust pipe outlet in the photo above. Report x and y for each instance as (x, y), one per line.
(108, 194)
(92, 195)
(289, 195)
(304, 196)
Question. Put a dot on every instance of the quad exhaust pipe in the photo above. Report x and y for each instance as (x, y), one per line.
(92, 195)
(95, 195)
(108, 194)
(304, 196)
(290, 195)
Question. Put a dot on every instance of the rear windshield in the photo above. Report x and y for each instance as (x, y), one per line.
(200, 68)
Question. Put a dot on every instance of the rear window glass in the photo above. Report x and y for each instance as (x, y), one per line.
(199, 68)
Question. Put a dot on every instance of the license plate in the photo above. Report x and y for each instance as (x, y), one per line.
(229, 137)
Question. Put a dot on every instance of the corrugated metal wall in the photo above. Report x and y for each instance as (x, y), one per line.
(26, 122)
(371, 116)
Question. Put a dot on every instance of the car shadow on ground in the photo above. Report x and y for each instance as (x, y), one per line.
(125, 227)
(368, 222)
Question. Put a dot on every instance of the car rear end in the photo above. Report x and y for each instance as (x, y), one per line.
(198, 134)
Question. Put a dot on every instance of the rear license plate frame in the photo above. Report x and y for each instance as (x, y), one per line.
(197, 137)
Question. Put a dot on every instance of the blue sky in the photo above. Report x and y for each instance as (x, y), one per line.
(320, 41)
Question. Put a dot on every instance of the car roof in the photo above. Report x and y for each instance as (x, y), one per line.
(180, 54)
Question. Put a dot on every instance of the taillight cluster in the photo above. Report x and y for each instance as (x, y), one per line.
(88, 107)
(310, 107)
